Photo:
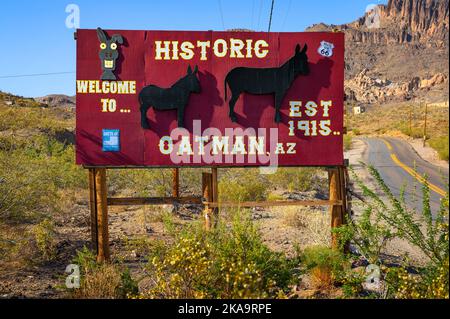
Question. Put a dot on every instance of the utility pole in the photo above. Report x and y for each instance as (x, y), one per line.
(410, 120)
(270, 19)
(425, 126)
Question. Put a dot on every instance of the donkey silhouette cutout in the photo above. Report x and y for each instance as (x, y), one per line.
(174, 98)
(276, 81)
(108, 54)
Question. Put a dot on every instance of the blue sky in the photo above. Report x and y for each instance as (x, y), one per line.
(35, 40)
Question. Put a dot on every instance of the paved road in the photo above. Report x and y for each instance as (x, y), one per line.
(398, 164)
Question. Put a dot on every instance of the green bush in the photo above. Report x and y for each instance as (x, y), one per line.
(440, 144)
(242, 185)
(414, 131)
(347, 142)
(14, 119)
(326, 266)
(34, 174)
(431, 283)
(384, 219)
(296, 179)
(44, 235)
(321, 256)
(227, 262)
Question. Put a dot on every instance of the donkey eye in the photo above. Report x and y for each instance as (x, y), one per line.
(103, 46)
(113, 46)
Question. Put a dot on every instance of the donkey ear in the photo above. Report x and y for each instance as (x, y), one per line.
(297, 48)
(305, 47)
(101, 35)
(117, 38)
(196, 69)
(189, 71)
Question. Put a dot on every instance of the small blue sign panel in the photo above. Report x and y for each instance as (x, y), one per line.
(111, 140)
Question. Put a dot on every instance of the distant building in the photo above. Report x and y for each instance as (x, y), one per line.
(358, 109)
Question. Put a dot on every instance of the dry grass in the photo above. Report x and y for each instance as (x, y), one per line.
(321, 277)
(314, 221)
(100, 283)
(394, 118)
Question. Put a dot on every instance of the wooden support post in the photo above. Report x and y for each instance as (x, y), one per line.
(176, 182)
(93, 209)
(336, 179)
(207, 195)
(215, 195)
(102, 215)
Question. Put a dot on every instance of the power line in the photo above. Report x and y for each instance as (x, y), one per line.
(35, 74)
(270, 18)
(221, 14)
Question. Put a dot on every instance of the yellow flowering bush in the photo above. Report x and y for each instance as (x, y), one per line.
(431, 284)
(224, 263)
(181, 272)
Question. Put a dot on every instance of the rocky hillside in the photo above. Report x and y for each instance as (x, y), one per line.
(399, 51)
(57, 100)
(52, 100)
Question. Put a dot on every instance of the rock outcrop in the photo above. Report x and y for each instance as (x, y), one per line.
(366, 89)
(405, 41)
(400, 21)
(58, 100)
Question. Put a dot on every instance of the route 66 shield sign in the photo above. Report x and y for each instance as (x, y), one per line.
(326, 49)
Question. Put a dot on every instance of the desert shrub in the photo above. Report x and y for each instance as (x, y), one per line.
(44, 234)
(384, 219)
(33, 174)
(431, 283)
(369, 235)
(14, 246)
(347, 142)
(274, 197)
(329, 268)
(142, 182)
(227, 262)
(414, 131)
(296, 179)
(324, 264)
(314, 222)
(190, 179)
(141, 245)
(14, 119)
(153, 182)
(440, 144)
(242, 185)
(102, 280)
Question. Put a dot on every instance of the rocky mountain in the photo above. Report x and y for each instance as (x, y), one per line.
(59, 100)
(397, 51)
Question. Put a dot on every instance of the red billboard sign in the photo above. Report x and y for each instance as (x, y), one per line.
(188, 98)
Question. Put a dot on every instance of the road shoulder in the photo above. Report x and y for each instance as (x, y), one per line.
(427, 153)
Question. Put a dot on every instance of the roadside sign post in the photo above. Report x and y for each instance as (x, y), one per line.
(176, 182)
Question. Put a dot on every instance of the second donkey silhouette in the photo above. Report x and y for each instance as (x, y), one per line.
(275, 81)
(174, 98)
